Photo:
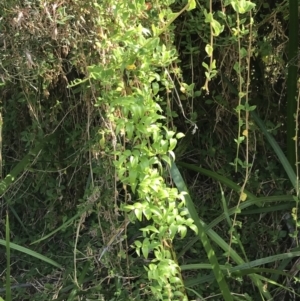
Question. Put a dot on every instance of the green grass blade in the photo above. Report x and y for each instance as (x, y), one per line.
(178, 180)
(249, 203)
(235, 257)
(7, 243)
(246, 272)
(225, 208)
(269, 281)
(193, 291)
(230, 184)
(281, 207)
(283, 264)
(189, 282)
(217, 177)
(251, 200)
(282, 158)
(231, 271)
(16, 215)
(235, 209)
(63, 226)
(247, 265)
(269, 259)
(31, 253)
(231, 227)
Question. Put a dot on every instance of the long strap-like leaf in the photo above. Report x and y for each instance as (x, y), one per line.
(31, 253)
(204, 232)
(176, 176)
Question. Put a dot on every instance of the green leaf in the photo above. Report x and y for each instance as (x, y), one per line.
(171, 156)
(145, 248)
(148, 213)
(179, 135)
(254, 200)
(178, 180)
(149, 228)
(194, 228)
(31, 253)
(217, 27)
(246, 266)
(182, 231)
(64, 225)
(243, 52)
(242, 6)
(192, 5)
(217, 177)
(209, 50)
(249, 108)
(158, 255)
(208, 16)
(166, 159)
(133, 178)
(155, 88)
(138, 244)
(205, 66)
(138, 213)
(129, 129)
(156, 212)
(128, 207)
(173, 143)
(173, 230)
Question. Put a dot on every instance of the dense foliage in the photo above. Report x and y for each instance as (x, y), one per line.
(149, 150)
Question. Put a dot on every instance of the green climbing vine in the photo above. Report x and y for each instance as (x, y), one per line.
(136, 63)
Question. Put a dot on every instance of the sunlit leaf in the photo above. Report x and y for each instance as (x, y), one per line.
(138, 213)
(182, 231)
(192, 5)
(243, 197)
(145, 248)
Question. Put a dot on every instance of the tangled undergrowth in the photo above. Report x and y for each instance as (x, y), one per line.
(94, 168)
